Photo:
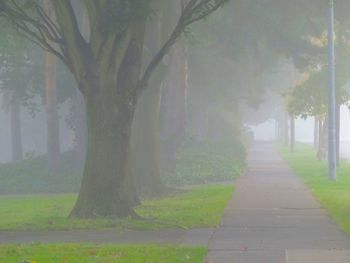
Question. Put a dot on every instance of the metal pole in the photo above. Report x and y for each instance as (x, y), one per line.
(332, 162)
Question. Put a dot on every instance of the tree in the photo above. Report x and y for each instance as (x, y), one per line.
(174, 101)
(145, 140)
(309, 99)
(107, 68)
(52, 120)
(17, 81)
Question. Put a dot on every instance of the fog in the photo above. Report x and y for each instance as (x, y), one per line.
(136, 114)
(146, 115)
(33, 133)
(266, 131)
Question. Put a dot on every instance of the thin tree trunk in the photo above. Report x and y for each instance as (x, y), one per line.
(145, 144)
(145, 137)
(286, 129)
(323, 145)
(338, 134)
(199, 121)
(16, 131)
(80, 129)
(53, 136)
(277, 135)
(292, 133)
(175, 97)
(316, 132)
(320, 140)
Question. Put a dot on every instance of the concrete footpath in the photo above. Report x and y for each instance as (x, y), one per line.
(191, 237)
(273, 218)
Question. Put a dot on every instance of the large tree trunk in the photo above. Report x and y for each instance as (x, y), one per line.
(106, 167)
(16, 131)
(107, 188)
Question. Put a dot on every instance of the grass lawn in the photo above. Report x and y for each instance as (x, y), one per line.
(334, 196)
(200, 207)
(100, 254)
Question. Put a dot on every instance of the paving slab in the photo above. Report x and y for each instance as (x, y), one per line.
(247, 256)
(319, 256)
(273, 215)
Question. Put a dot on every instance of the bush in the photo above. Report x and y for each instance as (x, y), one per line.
(31, 176)
(207, 162)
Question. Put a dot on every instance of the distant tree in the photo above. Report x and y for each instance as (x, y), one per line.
(309, 99)
(17, 83)
(52, 120)
(145, 140)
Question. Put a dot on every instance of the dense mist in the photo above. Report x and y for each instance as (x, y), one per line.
(154, 114)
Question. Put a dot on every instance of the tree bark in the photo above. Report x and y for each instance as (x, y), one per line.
(107, 188)
(16, 131)
(106, 167)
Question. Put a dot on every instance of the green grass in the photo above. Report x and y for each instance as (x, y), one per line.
(200, 207)
(334, 196)
(99, 254)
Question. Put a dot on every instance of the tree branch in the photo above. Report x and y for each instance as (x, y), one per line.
(75, 43)
(193, 11)
(42, 30)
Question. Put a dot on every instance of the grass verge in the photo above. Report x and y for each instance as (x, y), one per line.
(98, 254)
(199, 207)
(334, 196)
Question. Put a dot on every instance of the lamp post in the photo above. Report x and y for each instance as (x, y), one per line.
(332, 163)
